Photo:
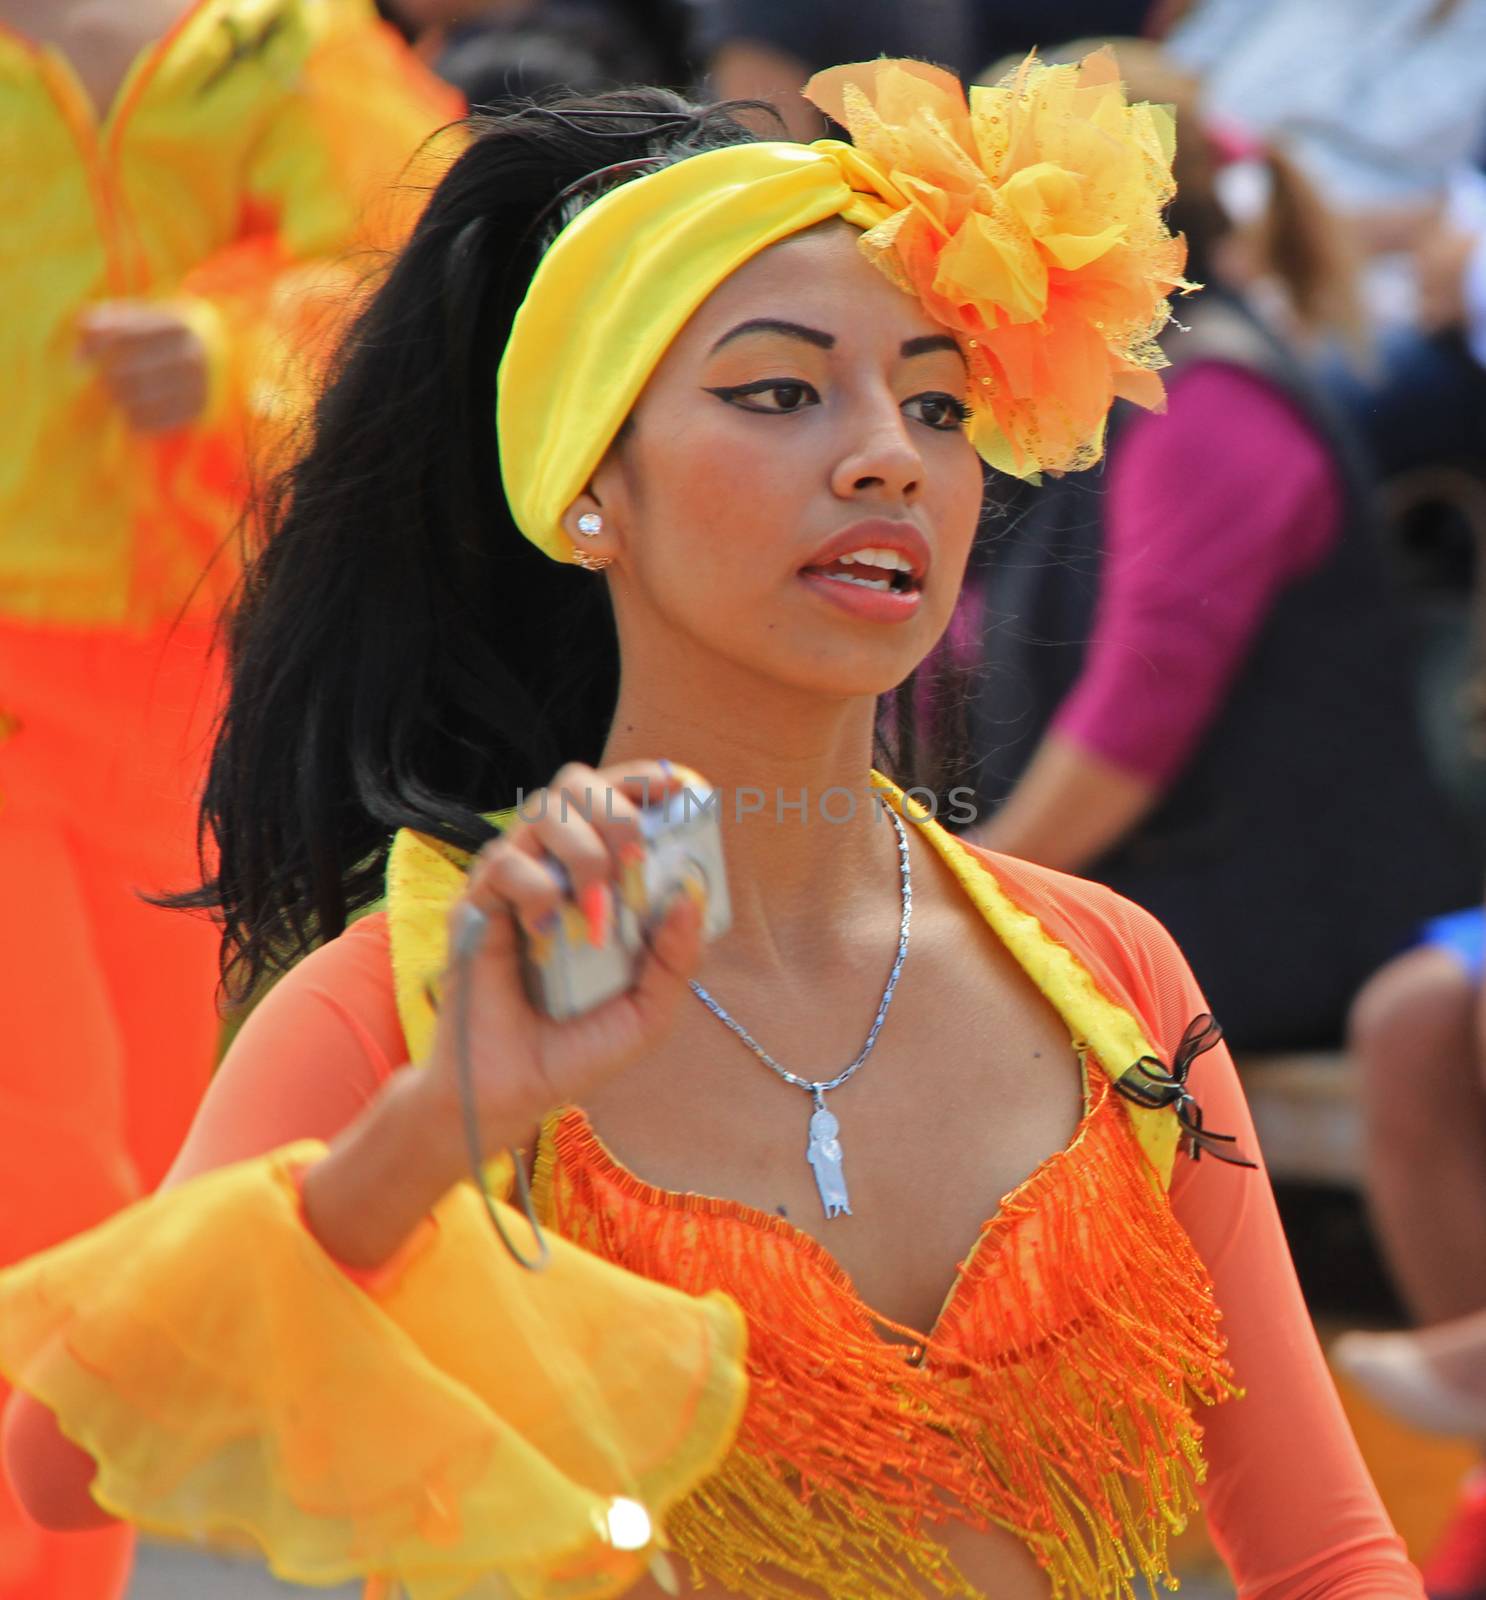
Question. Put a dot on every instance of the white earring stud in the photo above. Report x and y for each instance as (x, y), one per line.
(590, 524)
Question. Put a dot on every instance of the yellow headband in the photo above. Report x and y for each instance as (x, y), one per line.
(1027, 221)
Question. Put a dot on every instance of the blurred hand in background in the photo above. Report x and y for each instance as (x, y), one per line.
(151, 359)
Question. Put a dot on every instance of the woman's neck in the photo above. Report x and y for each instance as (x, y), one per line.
(809, 851)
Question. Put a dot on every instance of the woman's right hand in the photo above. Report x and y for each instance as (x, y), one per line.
(523, 1063)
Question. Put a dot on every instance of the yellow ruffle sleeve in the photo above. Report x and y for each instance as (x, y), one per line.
(462, 1427)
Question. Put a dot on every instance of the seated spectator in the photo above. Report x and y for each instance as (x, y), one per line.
(1193, 681)
(1418, 1034)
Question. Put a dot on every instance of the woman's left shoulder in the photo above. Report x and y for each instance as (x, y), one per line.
(1127, 951)
(1063, 901)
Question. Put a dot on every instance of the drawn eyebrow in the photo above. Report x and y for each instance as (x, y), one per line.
(922, 345)
(927, 343)
(791, 330)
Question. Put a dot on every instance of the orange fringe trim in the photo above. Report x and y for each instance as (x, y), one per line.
(1051, 1398)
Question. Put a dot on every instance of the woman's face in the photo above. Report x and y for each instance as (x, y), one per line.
(809, 410)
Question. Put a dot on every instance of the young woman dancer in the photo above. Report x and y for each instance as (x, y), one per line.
(719, 369)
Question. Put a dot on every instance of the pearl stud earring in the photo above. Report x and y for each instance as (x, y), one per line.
(590, 524)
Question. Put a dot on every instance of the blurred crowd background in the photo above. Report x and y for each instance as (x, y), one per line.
(1238, 671)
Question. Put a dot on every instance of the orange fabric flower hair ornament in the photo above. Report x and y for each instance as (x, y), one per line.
(1028, 221)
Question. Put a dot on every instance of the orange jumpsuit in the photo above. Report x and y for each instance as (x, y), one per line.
(238, 162)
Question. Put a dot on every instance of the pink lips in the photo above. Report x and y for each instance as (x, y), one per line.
(878, 533)
(871, 605)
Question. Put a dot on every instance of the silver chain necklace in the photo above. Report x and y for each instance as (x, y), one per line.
(824, 1149)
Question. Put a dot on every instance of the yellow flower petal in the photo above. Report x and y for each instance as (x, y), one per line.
(990, 260)
(1074, 250)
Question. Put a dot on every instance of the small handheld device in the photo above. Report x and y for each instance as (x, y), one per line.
(566, 974)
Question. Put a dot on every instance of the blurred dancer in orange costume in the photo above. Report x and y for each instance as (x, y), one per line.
(181, 187)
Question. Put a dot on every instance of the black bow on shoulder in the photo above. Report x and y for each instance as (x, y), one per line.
(1153, 1086)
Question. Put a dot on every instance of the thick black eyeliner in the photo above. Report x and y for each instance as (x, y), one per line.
(958, 408)
(730, 392)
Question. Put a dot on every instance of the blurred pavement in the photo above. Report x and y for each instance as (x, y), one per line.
(162, 1573)
(184, 1575)
(169, 1574)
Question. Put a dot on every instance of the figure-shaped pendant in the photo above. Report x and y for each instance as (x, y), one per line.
(824, 1155)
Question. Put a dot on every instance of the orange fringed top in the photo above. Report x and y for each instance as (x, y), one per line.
(1051, 1396)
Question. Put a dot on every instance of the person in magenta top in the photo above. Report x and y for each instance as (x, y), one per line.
(1193, 681)
(1269, 515)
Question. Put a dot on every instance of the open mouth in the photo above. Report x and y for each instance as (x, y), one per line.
(884, 570)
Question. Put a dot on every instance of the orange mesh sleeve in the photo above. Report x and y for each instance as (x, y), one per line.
(1288, 1498)
(337, 1010)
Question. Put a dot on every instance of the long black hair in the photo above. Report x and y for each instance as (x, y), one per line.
(400, 655)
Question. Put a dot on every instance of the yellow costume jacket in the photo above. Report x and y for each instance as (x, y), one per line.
(250, 140)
